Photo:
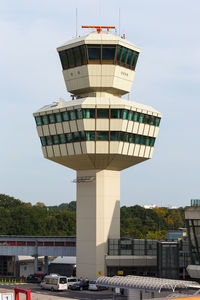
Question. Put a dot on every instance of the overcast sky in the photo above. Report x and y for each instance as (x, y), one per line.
(167, 78)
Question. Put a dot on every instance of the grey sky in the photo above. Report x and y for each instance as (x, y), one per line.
(167, 78)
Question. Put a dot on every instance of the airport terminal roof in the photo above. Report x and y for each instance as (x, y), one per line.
(146, 283)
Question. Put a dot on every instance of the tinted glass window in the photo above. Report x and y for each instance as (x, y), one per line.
(122, 136)
(43, 140)
(132, 138)
(49, 140)
(152, 120)
(108, 52)
(126, 137)
(38, 120)
(102, 113)
(130, 52)
(124, 52)
(118, 52)
(65, 116)
(137, 139)
(69, 137)
(147, 119)
(56, 139)
(102, 135)
(76, 137)
(125, 114)
(141, 119)
(77, 56)
(70, 58)
(79, 113)
(89, 113)
(52, 119)
(116, 113)
(157, 121)
(94, 52)
(82, 136)
(83, 56)
(130, 115)
(142, 140)
(45, 120)
(62, 138)
(147, 141)
(90, 135)
(114, 135)
(63, 280)
(152, 142)
(63, 59)
(136, 116)
(135, 57)
(58, 117)
(72, 114)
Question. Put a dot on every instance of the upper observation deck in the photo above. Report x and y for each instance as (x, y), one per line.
(98, 62)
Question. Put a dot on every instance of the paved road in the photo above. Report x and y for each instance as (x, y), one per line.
(38, 294)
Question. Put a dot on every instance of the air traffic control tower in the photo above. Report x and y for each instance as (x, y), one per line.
(98, 134)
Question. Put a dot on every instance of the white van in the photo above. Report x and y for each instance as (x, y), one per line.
(54, 282)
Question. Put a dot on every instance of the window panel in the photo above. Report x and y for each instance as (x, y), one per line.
(62, 138)
(135, 57)
(102, 113)
(124, 52)
(89, 113)
(152, 142)
(126, 137)
(132, 138)
(152, 120)
(137, 139)
(43, 140)
(70, 58)
(125, 114)
(119, 48)
(79, 113)
(141, 118)
(102, 135)
(76, 137)
(108, 52)
(147, 141)
(69, 137)
(45, 120)
(130, 53)
(82, 135)
(49, 140)
(52, 118)
(72, 114)
(63, 59)
(38, 121)
(142, 140)
(77, 56)
(122, 136)
(136, 116)
(147, 119)
(90, 135)
(130, 115)
(56, 140)
(116, 113)
(65, 116)
(94, 52)
(114, 135)
(157, 121)
(58, 117)
(83, 56)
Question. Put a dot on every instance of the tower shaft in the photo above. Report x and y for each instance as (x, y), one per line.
(98, 219)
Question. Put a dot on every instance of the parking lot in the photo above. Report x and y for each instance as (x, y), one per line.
(38, 294)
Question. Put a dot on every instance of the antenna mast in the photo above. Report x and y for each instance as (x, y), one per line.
(76, 22)
(119, 21)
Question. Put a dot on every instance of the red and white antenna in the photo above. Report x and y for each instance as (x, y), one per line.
(99, 28)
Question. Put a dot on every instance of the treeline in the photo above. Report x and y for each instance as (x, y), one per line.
(19, 218)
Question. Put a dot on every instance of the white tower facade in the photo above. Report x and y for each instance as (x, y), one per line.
(98, 134)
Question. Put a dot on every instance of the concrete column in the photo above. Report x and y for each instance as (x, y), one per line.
(36, 264)
(46, 263)
(97, 219)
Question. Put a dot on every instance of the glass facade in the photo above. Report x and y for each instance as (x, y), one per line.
(98, 54)
(92, 113)
(96, 136)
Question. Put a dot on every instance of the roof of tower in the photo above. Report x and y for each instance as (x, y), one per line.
(98, 38)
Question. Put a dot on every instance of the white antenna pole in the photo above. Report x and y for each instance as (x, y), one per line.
(119, 21)
(76, 22)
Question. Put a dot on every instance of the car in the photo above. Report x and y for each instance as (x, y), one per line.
(81, 285)
(33, 279)
(94, 287)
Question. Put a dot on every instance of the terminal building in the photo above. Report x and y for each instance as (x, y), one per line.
(98, 134)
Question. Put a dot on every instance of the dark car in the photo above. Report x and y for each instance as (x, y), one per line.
(81, 285)
(33, 279)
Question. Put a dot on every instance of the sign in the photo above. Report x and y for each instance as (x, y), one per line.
(120, 272)
(100, 273)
